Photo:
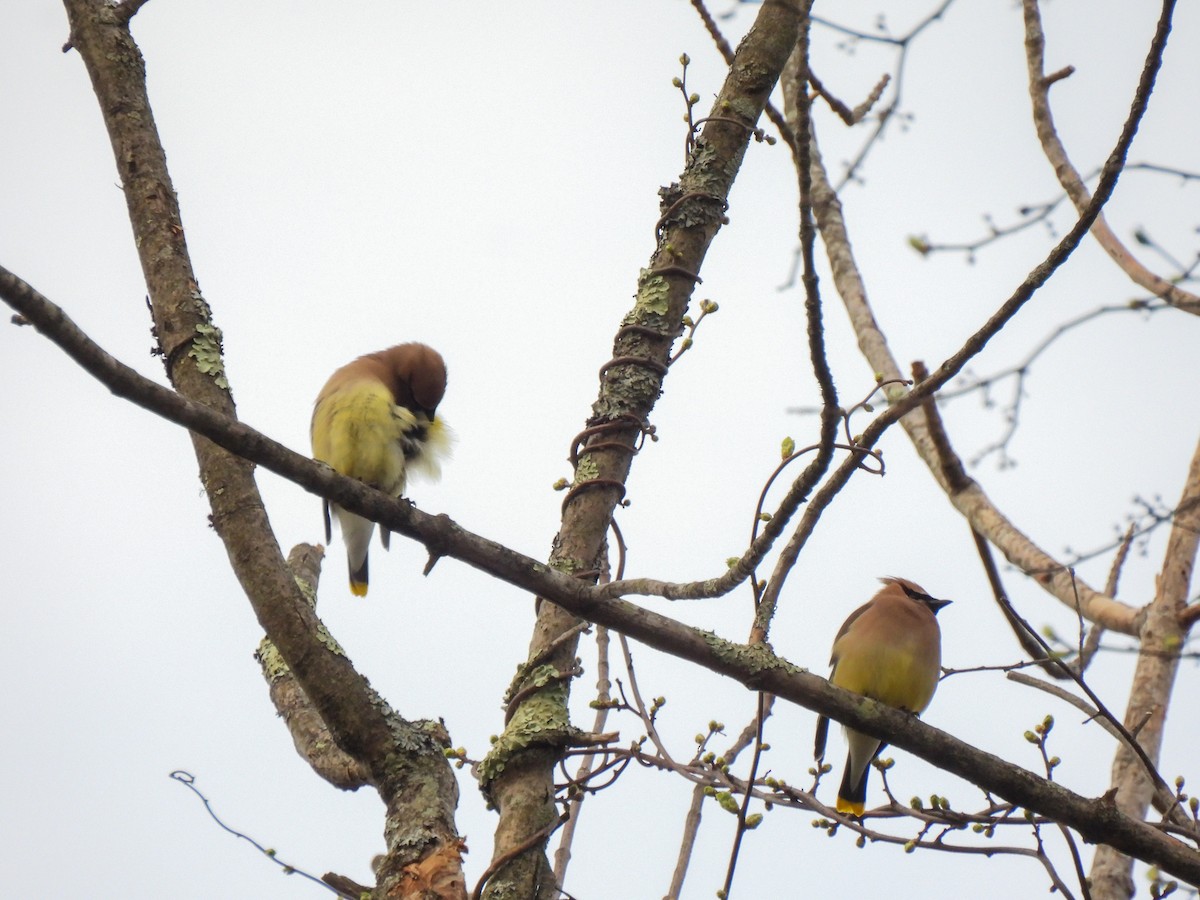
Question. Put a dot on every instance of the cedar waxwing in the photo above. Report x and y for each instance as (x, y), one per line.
(890, 650)
(375, 421)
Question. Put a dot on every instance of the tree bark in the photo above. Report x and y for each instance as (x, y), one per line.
(518, 775)
(1161, 639)
(416, 784)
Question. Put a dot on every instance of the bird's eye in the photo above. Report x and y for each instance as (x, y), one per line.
(917, 595)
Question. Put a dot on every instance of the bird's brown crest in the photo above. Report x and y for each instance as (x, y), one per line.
(903, 583)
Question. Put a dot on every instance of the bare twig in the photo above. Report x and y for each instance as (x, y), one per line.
(1031, 214)
(744, 808)
(562, 855)
(1021, 371)
(1066, 696)
(903, 44)
(189, 781)
(973, 503)
(1128, 738)
(1091, 644)
(1056, 154)
(687, 842)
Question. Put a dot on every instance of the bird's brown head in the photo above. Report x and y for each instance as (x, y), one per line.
(915, 592)
(415, 374)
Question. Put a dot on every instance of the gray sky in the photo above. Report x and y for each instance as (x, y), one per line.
(483, 177)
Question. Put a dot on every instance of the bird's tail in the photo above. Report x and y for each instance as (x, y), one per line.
(356, 532)
(358, 579)
(852, 795)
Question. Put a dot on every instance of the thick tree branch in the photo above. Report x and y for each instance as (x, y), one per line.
(416, 784)
(756, 667)
(309, 732)
(518, 774)
(1153, 680)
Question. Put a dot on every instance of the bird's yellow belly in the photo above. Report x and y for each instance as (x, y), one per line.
(362, 438)
(893, 677)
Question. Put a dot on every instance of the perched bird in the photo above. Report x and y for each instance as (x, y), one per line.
(890, 649)
(375, 420)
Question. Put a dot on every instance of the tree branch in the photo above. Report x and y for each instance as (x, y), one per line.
(405, 759)
(309, 732)
(1153, 678)
(971, 501)
(768, 599)
(755, 667)
(1068, 176)
(518, 773)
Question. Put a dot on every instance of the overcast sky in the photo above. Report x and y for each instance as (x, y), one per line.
(484, 177)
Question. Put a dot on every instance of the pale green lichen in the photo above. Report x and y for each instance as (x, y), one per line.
(271, 661)
(200, 306)
(569, 565)
(308, 591)
(654, 293)
(587, 470)
(327, 640)
(703, 159)
(540, 720)
(543, 675)
(538, 677)
(417, 738)
(409, 839)
(206, 351)
(756, 658)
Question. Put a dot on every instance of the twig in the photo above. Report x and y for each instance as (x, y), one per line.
(1093, 714)
(1056, 155)
(903, 45)
(189, 781)
(691, 827)
(974, 504)
(1129, 739)
(562, 856)
(1091, 644)
(743, 809)
(1021, 371)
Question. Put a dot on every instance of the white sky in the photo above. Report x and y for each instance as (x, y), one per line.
(483, 177)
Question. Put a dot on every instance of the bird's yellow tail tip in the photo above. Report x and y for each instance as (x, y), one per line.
(358, 588)
(850, 806)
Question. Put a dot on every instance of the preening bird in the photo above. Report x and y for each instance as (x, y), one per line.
(890, 649)
(375, 420)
